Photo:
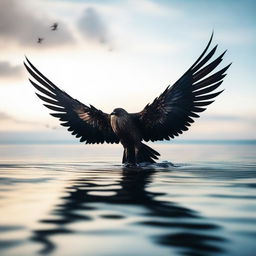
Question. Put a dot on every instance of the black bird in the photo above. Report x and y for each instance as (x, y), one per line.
(54, 26)
(166, 117)
(40, 40)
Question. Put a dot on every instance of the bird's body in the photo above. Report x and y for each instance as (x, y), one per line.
(127, 132)
(124, 126)
(169, 115)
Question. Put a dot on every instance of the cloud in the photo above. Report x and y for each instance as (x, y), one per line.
(4, 116)
(6, 120)
(222, 127)
(92, 26)
(224, 117)
(22, 25)
(249, 119)
(9, 71)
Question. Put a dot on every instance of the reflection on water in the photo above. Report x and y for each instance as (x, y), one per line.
(104, 209)
(183, 227)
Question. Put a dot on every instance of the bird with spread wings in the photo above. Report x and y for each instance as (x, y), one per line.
(169, 115)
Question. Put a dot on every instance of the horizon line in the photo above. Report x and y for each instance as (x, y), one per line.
(177, 141)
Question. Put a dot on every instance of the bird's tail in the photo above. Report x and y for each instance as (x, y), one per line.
(147, 154)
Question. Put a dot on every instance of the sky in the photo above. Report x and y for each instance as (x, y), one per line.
(124, 54)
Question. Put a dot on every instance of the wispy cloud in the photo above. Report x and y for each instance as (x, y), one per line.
(10, 71)
(249, 119)
(92, 26)
(225, 117)
(6, 118)
(218, 126)
(23, 26)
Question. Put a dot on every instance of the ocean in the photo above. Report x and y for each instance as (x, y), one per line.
(73, 199)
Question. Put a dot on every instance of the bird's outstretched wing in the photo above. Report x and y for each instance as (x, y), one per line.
(85, 122)
(173, 111)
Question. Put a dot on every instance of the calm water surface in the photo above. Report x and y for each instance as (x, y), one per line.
(79, 200)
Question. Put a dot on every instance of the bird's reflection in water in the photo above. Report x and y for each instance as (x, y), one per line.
(181, 227)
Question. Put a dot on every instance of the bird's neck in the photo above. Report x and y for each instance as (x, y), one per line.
(119, 124)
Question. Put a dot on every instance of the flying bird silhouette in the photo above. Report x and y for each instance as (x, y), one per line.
(166, 117)
(40, 40)
(54, 26)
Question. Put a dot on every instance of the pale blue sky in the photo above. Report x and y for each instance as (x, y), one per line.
(132, 49)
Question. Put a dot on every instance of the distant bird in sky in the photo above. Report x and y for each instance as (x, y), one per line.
(40, 40)
(54, 26)
(166, 117)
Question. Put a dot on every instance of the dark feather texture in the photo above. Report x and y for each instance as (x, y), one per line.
(87, 123)
(172, 112)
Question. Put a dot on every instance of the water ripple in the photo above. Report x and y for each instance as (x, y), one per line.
(176, 209)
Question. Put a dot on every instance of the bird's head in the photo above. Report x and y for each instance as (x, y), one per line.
(118, 112)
